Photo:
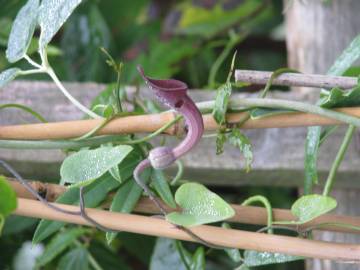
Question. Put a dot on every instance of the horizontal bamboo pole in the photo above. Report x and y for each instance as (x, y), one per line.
(296, 79)
(243, 214)
(152, 122)
(219, 236)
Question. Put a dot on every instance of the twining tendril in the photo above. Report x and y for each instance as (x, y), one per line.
(33, 192)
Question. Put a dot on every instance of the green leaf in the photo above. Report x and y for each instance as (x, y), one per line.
(17, 224)
(239, 140)
(221, 138)
(312, 144)
(58, 244)
(308, 207)
(75, 259)
(198, 259)
(52, 15)
(162, 187)
(94, 194)
(347, 58)
(259, 113)
(8, 201)
(166, 256)
(177, 49)
(233, 253)
(125, 169)
(255, 258)
(22, 31)
(340, 98)
(87, 165)
(206, 22)
(8, 75)
(126, 199)
(110, 259)
(221, 103)
(342, 63)
(199, 206)
(84, 33)
(5, 29)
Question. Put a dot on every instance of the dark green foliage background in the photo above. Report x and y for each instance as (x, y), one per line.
(148, 33)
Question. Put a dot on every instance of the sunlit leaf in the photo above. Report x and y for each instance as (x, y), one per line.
(8, 201)
(75, 259)
(199, 206)
(87, 165)
(162, 187)
(256, 258)
(58, 244)
(22, 31)
(8, 75)
(220, 141)
(52, 15)
(308, 207)
(221, 103)
(94, 194)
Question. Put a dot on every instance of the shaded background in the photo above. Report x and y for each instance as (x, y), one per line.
(190, 40)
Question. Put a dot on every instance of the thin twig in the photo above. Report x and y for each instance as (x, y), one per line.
(296, 79)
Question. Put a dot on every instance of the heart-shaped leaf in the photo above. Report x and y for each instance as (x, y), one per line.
(312, 206)
(8, 75)
(199, 206)
(255, 258)
(87, 165)
(22, 31)
(52, 15)
(8, 202)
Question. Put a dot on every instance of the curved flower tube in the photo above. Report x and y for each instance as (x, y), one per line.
(171, 93)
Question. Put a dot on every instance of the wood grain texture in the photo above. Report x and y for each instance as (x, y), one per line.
(287, 145)
(316, 35)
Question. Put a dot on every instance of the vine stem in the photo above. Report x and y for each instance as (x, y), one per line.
(267, 205)
(56, 80)
(152, 122)
(339, 157)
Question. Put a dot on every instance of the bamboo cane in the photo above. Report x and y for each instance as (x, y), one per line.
(152, 122)
(215, 235)
(243, 214)
(296, 79)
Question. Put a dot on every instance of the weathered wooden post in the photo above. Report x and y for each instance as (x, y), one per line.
(317, 32)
